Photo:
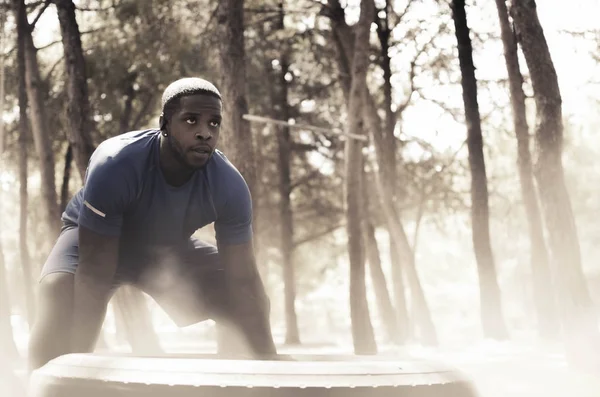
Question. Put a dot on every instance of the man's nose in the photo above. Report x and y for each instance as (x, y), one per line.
(203, 133)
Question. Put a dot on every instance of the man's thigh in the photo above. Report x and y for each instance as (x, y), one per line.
(187, 282)
(64, 258)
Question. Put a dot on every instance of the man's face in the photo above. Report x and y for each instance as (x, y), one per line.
(193, 129)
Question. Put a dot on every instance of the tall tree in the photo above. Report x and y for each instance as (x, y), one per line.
(281, 110)
(237, 135)
(575, 306)
(130, 304)
(362, 329)
(39, 120)
(542, 279)
(489, 291)
(24, 255)
(384, 33)
(388, 154)
(342, 37)
(79, 123)
(7, 341)
(64, 190)
(404, 254)
(2, 79)
(382, 294)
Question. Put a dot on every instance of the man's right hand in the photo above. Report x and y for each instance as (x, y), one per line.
(98, 258)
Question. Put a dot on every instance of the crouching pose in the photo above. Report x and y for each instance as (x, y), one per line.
(145, 193)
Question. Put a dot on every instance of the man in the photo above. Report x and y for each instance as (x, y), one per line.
(145, 194)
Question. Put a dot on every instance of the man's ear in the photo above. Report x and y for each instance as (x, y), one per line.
(162, 121)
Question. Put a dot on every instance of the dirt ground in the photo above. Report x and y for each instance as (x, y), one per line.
(496, 369)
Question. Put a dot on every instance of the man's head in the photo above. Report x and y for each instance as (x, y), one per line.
(191, 120)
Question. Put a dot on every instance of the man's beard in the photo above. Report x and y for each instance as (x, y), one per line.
(179, 155)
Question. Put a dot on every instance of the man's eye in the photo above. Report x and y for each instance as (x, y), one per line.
(190, 120)
(215, 123)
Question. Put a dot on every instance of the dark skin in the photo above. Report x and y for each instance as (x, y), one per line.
(189, 137)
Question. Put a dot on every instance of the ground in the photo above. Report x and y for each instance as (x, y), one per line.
(497, 369)
(508, 369)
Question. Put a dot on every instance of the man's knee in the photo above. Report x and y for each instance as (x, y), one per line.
(55, 296)
(51, 331)
(57, 286)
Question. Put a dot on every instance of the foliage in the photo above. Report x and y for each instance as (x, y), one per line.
(134, 48)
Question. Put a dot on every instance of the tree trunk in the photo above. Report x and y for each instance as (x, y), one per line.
(421, 312)
(236, 134)
(384, 302)
(39, 121)
(399, 289)
(343, 38)
(281, 111)
(575, 306)
(64, 190)
(389, 165)
(140, 332)
(489, 291)
(287, 234)
(548, 325)
(130, 94)
(2, 86)
(79, 125)
(362, 329)
(7, 341)
(404, 253)
(389, 152)
(24, 256)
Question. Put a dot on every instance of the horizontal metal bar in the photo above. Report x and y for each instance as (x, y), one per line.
(268, 120)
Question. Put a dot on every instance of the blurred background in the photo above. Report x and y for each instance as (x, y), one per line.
(424, 181)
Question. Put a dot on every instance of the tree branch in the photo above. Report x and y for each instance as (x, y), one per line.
(50, 44)
(60, 40)
(269, 120)
(39, 15)
(443, 106)
(143, 111)
(54, 65)
(97, 9)
(303, 147)
(402, 14)
(402, 107)
(207, 28)
(267, 10)
(304, 179)
(316, 236)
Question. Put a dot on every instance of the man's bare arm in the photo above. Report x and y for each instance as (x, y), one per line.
(248, 300)
(98, 257)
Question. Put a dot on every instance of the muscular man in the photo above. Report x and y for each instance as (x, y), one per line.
(145, 194)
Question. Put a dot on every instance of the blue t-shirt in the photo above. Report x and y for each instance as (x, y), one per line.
(125, 194)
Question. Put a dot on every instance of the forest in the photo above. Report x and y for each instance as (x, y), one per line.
(422, 171)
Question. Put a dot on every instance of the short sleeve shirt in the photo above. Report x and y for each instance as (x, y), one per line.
(125, 194)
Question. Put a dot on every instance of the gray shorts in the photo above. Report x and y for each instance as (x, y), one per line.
(187, 280)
